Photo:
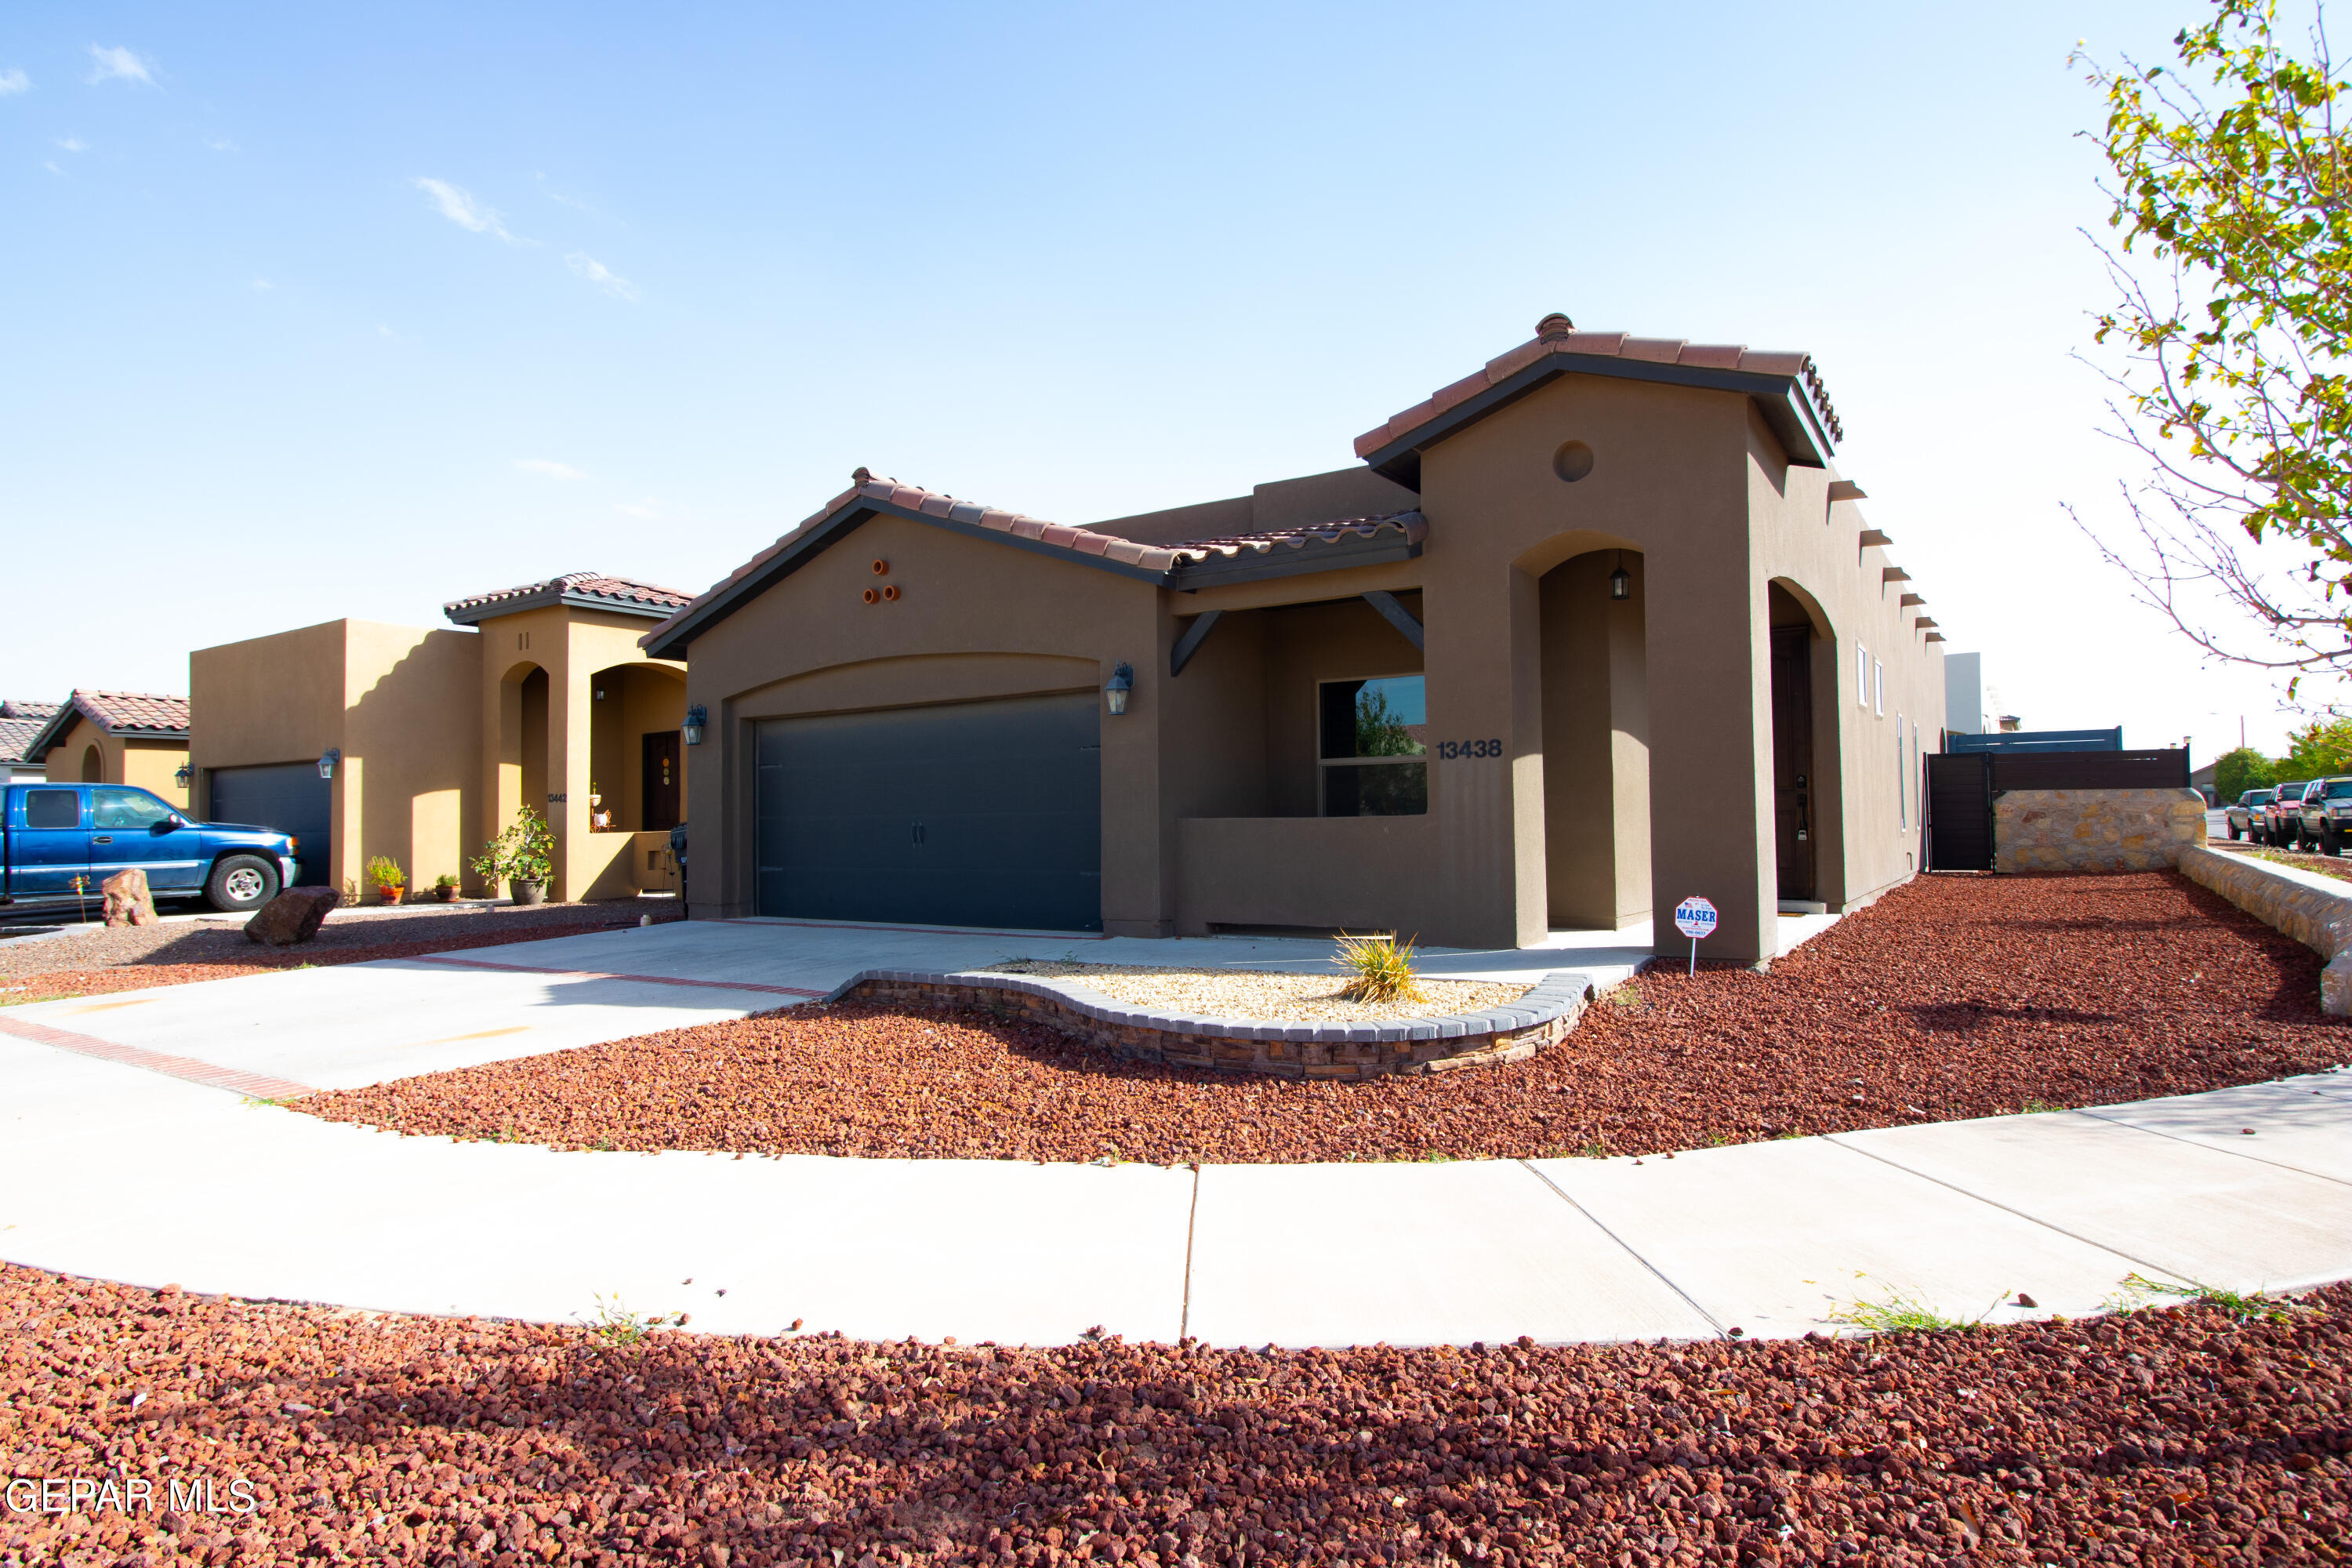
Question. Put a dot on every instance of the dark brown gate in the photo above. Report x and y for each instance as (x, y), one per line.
(1793, 759)
(1959, 811)
(660, 795)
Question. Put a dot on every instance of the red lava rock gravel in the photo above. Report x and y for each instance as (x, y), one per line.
(1951, 997)
(90, 963)
(2185, 1436)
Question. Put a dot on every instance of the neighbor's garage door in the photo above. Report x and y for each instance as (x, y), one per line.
(289, 797)
(981, 814)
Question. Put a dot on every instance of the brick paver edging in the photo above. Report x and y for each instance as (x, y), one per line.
(1234, 1045)
(2314, 908)
(188, 1070)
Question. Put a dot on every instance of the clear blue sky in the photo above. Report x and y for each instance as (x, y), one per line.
(314, 310)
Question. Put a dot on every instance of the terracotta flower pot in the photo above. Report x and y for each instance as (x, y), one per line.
(528, 892)
(390, 892)
(447, 895)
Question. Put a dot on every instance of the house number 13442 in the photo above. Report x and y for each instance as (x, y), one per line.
(1449, 749)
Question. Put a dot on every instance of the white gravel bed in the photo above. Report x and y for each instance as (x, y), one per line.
(1259, 994)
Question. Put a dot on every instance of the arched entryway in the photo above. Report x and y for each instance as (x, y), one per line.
(1596, 741)
(1808, 838)
(93, 767)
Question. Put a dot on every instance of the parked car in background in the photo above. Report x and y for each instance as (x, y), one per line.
(2282, 818)
(2245, 813)
(59, 842)
(2326, 814)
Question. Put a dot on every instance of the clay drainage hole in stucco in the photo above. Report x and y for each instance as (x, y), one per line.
(1262, 995)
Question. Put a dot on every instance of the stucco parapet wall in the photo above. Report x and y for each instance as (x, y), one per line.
(1343, 1051)
(2095, 829)
(2315, 909)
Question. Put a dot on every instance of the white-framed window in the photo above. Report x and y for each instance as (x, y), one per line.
(1861, 676)
(1370, 755)
(1902, 784)
(1878, 686)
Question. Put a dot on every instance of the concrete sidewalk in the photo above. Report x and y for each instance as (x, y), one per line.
(136, 1176)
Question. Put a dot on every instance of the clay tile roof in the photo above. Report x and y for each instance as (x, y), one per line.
(620, 592)
(1410, 525)
(136, 712)
(16, 739)
(1556, 335)
(18, 707)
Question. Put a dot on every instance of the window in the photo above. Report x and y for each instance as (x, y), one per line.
(52, 808)
(1366, 726)
(1902, 789)
(2339, 789)
(1878, 686)
(1861, 676)
(115, 806)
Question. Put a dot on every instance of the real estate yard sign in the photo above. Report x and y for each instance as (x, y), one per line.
(1694, 918)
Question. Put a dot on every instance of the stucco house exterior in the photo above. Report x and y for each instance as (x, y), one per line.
(1592, 629)
(117, 737)
(421, 743)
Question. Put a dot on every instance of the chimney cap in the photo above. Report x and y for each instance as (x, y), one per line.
(1556, 325)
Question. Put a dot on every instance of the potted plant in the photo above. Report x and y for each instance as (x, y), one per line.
(387, 878)
(524, 857)
(445, 887)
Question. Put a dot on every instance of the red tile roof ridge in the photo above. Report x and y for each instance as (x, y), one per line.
(595, 584)
(112, 710)
(1411, 523)
(1556, 337)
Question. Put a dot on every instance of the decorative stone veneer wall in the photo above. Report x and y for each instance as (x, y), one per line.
(2315, 910)
(1343, 1051)
(2095, 829)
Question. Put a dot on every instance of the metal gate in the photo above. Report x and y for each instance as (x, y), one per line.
(976, 814)
(1960, 812)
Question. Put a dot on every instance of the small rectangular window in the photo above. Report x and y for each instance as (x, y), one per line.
(1861, 676)
(52, 808)
(1367, 729)
(1901, 786)
(1878, 686)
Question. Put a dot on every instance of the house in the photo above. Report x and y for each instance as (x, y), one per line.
(419, 743)
(1592, 629)
(117, 737)
(20, 721)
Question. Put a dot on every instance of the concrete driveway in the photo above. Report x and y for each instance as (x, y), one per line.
(167, 1176)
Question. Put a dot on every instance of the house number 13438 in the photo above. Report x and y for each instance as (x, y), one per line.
(1449, 749)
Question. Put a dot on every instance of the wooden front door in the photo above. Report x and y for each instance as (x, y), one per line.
(661, 782)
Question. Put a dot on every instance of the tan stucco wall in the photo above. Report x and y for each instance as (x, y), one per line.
(397, 701)
(147, 765)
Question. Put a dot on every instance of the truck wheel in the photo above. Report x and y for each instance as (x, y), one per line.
(241, 882)
(2234, 833)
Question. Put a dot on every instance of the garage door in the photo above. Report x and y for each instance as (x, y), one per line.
(289, 797)
(981, 814)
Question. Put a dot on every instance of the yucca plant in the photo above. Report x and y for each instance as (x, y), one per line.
(1382, 968)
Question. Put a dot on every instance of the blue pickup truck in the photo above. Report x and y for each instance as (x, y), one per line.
(58, 839)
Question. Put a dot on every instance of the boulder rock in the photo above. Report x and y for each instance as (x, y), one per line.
(293, 916)
(128, 901)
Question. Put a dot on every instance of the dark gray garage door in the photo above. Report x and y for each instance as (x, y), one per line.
(981, 814)
(289, 797)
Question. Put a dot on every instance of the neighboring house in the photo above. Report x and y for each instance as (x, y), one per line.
(20, 721)
(117, 737)
(365, 738)
(1964, 693)
(1593, 629)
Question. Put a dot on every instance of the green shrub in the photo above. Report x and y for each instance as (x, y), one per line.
(1382, 967)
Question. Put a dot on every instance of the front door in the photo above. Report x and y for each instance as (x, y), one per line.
(50, 846)
(1792, 759)
(660, 795)
(130, 828)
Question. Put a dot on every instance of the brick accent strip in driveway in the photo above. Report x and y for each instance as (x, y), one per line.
(603, 974)
(185, 1068)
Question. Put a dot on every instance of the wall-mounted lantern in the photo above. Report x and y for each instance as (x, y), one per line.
(182, 774)
(1115, 689)
(1621, 582)
(327, 761)
(696, 717)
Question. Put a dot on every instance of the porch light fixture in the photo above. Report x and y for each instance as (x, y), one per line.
(180, 775)
(1621, 582)
(696, 717)
(327, 761)
(1115, 689)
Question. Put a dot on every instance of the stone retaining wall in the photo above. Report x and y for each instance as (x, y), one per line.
(1345, 1051)
(2095, 829)
(2315, 910)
